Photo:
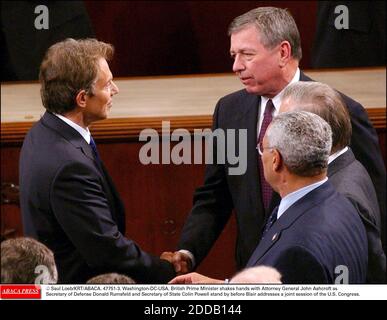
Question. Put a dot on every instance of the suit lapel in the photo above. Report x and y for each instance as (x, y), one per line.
(252, 153)
(118, 210)
(72, 136)
(304, 77)
(252, 157)
(68, 133)
(290, 216)
(247, 119)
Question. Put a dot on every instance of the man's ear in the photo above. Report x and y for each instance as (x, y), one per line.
(285, 51)
(80, 99)
(277, 161)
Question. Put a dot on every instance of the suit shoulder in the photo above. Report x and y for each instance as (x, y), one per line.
(322, 215)
(242, 100)
(353, 178)
(237, 96)
(45, 149)
(353, 106)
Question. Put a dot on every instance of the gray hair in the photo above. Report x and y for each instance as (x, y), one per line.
(22, 259)
(304, 141)
(321, 99)
(110, 278)
(257, 274)
(274, 24)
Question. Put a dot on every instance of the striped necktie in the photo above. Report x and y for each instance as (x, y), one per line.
(95, 150)
(266, 190)
(270, 221)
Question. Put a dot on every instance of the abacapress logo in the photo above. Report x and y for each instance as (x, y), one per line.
(20, 292)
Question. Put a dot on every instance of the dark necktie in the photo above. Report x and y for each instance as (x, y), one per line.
(265, 187)
(270, 221)
(95, 151)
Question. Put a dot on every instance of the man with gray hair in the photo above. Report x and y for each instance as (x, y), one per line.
(315, 234)
(26, 260)
(111, 278)
(314, 230)
(258, 274)
(346, 174)
(266, 49)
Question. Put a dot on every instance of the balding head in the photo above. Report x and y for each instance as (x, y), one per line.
(321, 99)
(258, 274)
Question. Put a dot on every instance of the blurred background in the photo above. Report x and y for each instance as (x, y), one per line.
(183, 37)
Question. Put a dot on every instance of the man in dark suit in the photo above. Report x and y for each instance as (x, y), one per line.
(347, 175)
(67, 198)
(315, 234)
(266, 48)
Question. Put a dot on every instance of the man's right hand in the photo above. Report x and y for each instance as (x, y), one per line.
(194, 277)
(181, 262)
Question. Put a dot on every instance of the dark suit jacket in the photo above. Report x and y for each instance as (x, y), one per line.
(314, 236)
(70, 204)
(221, 193)
(350, 178)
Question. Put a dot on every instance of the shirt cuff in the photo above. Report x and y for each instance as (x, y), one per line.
(190, 256)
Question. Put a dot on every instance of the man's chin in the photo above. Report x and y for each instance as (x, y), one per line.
(252, 90)
(107, 111)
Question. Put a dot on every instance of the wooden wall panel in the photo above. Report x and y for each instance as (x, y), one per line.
(181, 37)
(11, 223)
(157, 199)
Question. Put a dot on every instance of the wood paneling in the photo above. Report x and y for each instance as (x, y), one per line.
(182, 37)
(157, 197)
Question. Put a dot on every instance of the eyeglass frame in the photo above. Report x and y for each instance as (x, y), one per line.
(260, 148)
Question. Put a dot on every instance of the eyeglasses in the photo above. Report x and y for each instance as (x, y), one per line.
(261, 148)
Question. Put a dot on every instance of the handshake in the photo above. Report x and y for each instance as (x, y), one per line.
(181, 261)
(183, 265)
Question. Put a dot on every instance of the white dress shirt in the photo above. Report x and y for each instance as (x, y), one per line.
(337, 154)
(85, 133)
(291, 198)
(276, 102)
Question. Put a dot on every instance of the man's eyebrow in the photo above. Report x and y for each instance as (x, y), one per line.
(243, 50)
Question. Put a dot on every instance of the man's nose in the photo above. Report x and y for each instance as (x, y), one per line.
(115, 89)
(238, 64)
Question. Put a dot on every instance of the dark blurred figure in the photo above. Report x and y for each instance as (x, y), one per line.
(23, 45)
(111, 278)
(362, 44)
(25, 260)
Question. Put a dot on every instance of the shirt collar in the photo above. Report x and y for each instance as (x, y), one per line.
(291, 198)
(337, 154)
(85, 133)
